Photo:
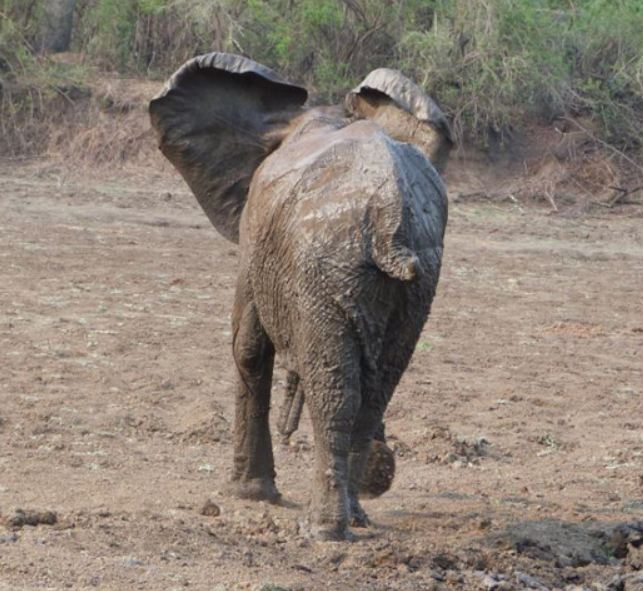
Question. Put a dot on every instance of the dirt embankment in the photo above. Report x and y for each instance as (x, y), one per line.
(104, 123)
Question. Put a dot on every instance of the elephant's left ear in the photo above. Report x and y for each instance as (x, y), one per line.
(404, 111)
(218, 117)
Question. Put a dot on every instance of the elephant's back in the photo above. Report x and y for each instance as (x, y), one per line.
(321, 208)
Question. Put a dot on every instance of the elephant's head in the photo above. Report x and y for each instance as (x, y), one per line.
(220, 115)
(408, 115)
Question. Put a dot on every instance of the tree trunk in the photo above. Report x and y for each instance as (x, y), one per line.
(57, 26)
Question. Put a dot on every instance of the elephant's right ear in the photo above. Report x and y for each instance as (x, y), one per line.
(404, 111)
(217, 118)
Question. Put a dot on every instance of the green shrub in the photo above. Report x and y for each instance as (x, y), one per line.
(491, 65)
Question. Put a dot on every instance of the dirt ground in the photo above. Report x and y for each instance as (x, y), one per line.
(518, 428)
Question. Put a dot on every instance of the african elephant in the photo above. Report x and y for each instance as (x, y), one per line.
(340, 215)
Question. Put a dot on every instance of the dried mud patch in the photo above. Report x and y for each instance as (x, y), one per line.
(23, 517)
(572, 544)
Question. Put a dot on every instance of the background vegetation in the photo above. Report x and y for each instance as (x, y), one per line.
(493, 65)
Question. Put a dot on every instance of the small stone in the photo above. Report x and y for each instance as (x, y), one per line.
(210, 509)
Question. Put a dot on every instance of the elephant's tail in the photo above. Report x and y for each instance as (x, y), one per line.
(397, 261)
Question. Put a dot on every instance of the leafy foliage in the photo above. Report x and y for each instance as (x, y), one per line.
(28, 81)
(490, 64)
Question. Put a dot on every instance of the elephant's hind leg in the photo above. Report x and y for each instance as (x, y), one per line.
(332, 386)
(402, 333)
(254, 469)
(366, 422)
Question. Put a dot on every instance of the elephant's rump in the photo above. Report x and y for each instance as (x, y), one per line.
(332, 217)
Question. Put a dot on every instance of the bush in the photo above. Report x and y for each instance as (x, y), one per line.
(29, 82)
(491, 65)
(150, 37)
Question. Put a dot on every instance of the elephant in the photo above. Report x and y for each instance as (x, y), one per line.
(339, 213)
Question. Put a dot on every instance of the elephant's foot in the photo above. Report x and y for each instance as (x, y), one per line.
(324, 532)
(358, 517)
(379, 472)
(255, 489)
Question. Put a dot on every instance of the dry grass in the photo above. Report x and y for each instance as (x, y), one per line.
(103, 124)
(112, 129)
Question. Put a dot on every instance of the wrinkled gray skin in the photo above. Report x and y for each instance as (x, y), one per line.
(340, 218)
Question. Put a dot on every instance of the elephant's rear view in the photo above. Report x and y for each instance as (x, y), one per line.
(340, 216)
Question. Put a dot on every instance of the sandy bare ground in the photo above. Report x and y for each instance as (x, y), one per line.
(518, 428)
